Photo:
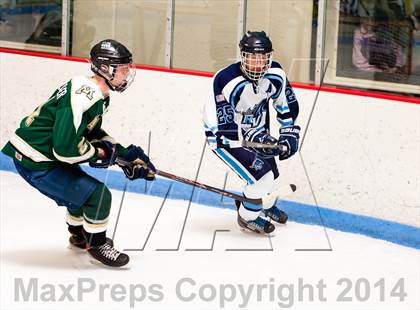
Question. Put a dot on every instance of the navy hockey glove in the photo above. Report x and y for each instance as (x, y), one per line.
(251, 135)
(140, 165)
(110, 154)
(289, 137)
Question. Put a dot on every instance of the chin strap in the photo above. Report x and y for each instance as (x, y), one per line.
(111, 87)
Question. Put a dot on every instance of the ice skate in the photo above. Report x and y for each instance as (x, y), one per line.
(259, 225)
(108, 255)
(276, 214)
(80, 241)
(77, 241)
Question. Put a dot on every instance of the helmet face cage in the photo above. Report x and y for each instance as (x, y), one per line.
(129, 76)
(255, 65)
(108, 72)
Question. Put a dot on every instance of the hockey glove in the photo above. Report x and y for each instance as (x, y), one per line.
(251, 135)
(110, 154)
(289, 137)
(140, 165)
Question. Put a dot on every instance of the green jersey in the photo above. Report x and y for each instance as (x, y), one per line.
(59, 130)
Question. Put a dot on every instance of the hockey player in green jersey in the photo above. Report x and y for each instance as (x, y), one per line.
(64, 132)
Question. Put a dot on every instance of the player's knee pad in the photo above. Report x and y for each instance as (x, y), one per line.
(98, 206)
(260, 188)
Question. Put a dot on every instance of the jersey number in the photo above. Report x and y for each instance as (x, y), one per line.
(34, 114)
(225, 115)
(290, 95)
(60, 93)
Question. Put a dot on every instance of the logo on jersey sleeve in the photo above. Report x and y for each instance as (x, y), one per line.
(87, 90)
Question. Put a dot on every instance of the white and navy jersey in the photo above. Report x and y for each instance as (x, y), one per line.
(235, 99)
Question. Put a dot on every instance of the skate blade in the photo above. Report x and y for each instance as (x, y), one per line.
(256, 232)
(76, 249)
(277, 223)
(103, 266)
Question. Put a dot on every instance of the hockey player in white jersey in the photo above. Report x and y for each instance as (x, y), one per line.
(238, 111)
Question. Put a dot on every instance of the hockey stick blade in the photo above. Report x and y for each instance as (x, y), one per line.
(283, 191)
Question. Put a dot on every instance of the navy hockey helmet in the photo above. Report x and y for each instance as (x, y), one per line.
(106, 56)
(256, 54)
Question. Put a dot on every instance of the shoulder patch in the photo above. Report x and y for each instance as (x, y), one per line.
(84, 94)
(87, 90)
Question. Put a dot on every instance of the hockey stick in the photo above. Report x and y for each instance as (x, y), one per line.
(244, 143)
(282, 191)
(257, 145)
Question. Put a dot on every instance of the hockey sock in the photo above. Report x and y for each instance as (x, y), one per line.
(96, 209)
(74, 217)
(95, 213)
(75, 230)
(248, 211)
(95, 239)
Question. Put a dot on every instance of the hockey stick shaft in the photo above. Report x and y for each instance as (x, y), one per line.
(282, 191)
(257, 145)
(206, 187)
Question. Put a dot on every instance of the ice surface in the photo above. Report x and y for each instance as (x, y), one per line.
(34, 244)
